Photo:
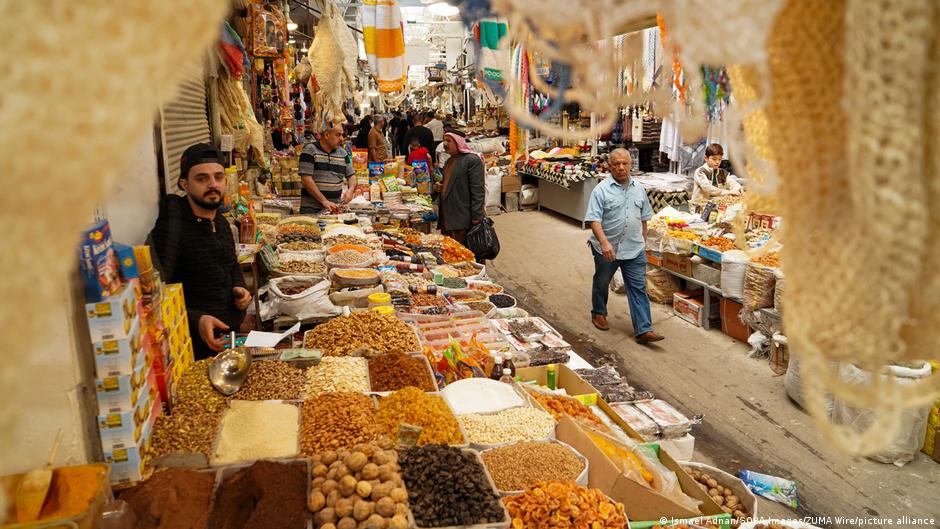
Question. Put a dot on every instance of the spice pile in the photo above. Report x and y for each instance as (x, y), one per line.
(521, 465)
(454, 282)
(71, 492)
(559, 406)
(564, 504)
(447, 487)
(361, 487)
(365, 330)
(257, 430)
(520, 423)
(266, 495)
(336, 420)
(173, 499)
(394, 371)
(337, 373)
(502, 301)
(489, 289)
(415, 407)
(272, 380)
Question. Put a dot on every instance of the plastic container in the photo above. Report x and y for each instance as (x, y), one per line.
(385, 310)
(84, 520)
(380, 299)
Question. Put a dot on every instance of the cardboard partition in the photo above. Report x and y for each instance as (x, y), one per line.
(511, 184)
(678, 263)
(640, 502)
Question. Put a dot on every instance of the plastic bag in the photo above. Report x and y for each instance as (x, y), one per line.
(760, 345)
(529, 195)
(733, 267)
(771, 487)
(354, 298)
(793, 383)
(611, 386)
(616, 284)
(909, 436)
(494, 187)
(546, 355)
(759, 282)
(661, 285)
(672, 424)
(312, 302)
(639, 421)
(482, 240)
(665, 481)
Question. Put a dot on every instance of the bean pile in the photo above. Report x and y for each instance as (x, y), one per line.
(394, 371)
(348, 257)
(365, 330)
(336, 240)
(559, 406)
(272, 380)
(301, 267)
(415, 407)
(502, 301)
(510, 425)
(521, 465)
(300, 246)
(564, 504)
(337, 373)
(428, 300)
(447, 487)
(336, 420)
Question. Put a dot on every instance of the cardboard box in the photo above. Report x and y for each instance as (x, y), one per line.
(640, 502)
(690, 306)
(120, 357)
(126, 428)
(113, 317)
(731, 323)
(128, 461)
(936, 445)
(98, 263)
(121, 393)
(512, 184)
(127, 261)
(681, 264)
(654, 258)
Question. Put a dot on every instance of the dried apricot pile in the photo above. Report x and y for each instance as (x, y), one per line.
(562, 504)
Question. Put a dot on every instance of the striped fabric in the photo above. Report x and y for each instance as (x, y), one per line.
(384, 38)
(491, 57)
(329, 171)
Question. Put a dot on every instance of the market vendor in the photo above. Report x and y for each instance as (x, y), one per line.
(712, 181)
(618, 211)
(194, 246)
(324, 168)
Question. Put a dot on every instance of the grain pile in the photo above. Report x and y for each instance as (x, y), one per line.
(521, 465)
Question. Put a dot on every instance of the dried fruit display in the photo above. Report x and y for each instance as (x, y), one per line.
(395, 371)
(454, 252)
(722, 244)
(771, 259)
(559, 406)
(564, 504)
(415, 407)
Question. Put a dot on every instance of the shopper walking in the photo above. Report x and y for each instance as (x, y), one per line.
(436, 126)
(618, 211)
(404, 126)
(378, 149)
(462, 193)
(362, 136)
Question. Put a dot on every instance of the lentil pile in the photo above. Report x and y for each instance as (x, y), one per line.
(336, 420)
(394, 371)
(564, 504)
(415, 407)
(336, 240)
(521, 465)
(193, 426)
(370, 330)
(272, 380)
(257, 430)
(502, 301)
(448, 486)
(337, 373)
(266, 495)
(507, 426)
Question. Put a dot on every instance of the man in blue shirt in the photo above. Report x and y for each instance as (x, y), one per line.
(618, 211)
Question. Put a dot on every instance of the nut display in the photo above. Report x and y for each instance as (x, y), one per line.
(193, 426)
(415, 407)
(394, 371)
(428, 300)
(336, 240)
(365, 330)
(348, 257)
(559, 405)
(489, 289)
(300, 246)
(521, 465)
(519, 423)
(301, 267)
(272, 380)
(723, 496)
(297, 232)
(337, 373)
(448, 486)
(564, 504)
(336, 420)
(358, 487)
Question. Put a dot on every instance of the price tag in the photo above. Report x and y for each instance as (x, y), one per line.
(227, 143)
(407, 436)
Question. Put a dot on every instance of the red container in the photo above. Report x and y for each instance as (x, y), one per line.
(731, 323)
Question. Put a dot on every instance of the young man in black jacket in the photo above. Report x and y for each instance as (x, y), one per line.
(194, 246)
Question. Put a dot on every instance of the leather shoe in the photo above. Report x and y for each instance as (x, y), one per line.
(649, 337)
(600, 321)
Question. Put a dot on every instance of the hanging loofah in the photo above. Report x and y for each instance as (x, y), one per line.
(94, 72)
(327, 62)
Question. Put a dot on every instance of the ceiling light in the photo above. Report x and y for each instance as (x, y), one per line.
(304, 49)
(291, 25)
(443, 9)
(372, 92)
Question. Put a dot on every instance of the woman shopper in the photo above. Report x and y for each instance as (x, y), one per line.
(462, 192)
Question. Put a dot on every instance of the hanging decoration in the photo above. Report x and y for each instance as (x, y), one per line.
(384, 37)
(327, 61)
(268, 31)
(232, 52)
(489, 33)
(678, 78)
(717, 88)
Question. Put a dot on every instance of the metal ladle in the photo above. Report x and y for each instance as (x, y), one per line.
(229, 369)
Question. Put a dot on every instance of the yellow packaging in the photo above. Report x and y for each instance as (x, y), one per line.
(929, 441)
(934, 417)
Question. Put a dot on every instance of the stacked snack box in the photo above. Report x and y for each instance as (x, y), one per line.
(125, 387)
(173, 346)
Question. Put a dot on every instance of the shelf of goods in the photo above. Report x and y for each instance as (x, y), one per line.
(560, 173)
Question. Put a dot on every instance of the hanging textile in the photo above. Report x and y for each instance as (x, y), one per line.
(681, 84)
(492, 59)
(717, 89)
(384, 38)
(232, 51)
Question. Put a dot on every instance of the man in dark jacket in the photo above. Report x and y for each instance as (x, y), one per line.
(424, 135)
(194, 246)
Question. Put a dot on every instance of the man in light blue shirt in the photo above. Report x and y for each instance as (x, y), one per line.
(618, 211)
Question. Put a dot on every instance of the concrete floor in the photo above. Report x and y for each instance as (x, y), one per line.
(749, 422)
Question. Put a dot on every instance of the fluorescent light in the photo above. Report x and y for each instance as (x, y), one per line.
(291, 25)
(304, 49)
(443, 9)
(372, 92)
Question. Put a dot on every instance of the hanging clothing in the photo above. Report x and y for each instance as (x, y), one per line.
(384, 38)
(490, 31)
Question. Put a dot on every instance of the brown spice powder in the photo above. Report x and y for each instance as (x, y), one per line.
(172, 499)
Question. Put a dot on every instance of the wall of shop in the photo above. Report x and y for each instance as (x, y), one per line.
(60, 392)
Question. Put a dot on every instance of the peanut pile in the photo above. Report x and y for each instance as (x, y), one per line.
(272, 380)
(336, 420)
(521, 465)
(365, 330)
(520, 423)
(415, 407)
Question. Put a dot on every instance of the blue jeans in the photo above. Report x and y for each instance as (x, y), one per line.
(634, 280)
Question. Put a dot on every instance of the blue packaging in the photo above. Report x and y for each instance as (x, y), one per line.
(771, 487)
(98, 262)
(126, 260)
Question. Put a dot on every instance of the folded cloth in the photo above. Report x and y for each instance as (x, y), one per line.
(384, 38)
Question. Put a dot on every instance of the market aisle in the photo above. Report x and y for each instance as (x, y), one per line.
(749, 420)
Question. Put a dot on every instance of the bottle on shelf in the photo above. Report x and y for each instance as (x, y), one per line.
(497, 370)
(507, 376)
(508, 363)
(550, 377)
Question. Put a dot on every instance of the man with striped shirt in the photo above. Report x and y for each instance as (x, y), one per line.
(324, 168)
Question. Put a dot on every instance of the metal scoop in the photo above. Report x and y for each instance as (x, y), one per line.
(229, 370)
